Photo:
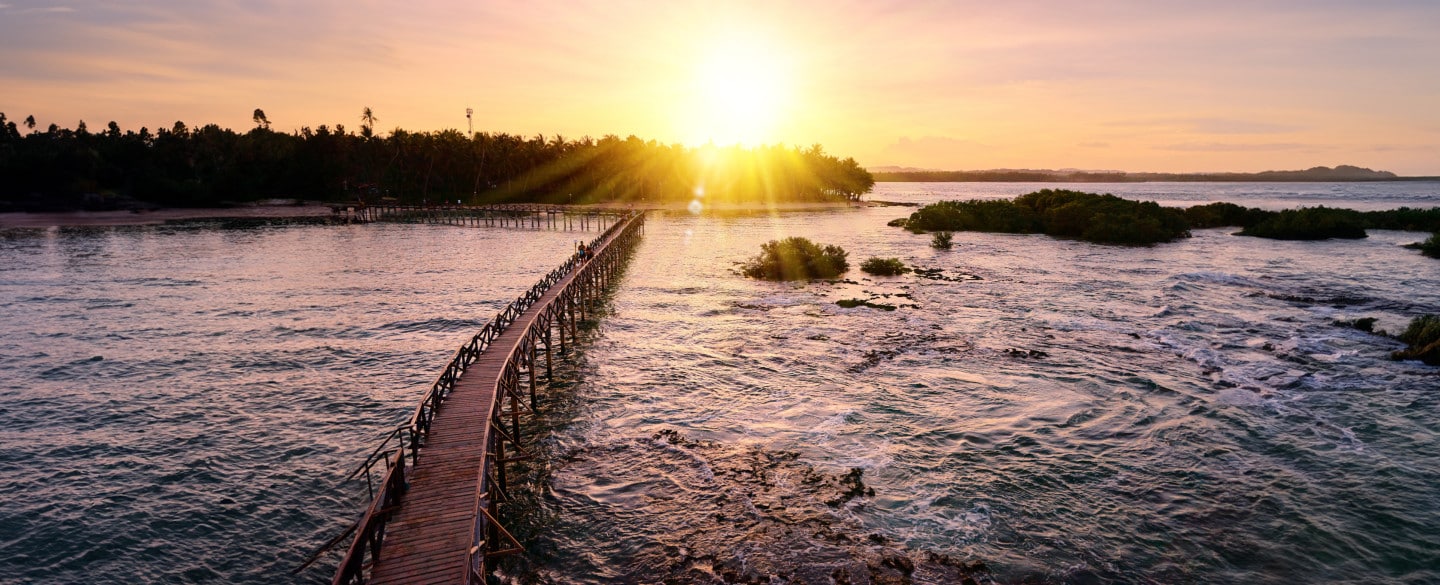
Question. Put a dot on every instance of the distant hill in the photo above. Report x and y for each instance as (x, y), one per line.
(1314, 174)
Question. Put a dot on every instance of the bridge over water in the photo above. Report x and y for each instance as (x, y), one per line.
(436, 515)
(528, 215)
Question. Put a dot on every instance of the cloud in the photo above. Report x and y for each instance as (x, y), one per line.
(47, 10)
(1236, 147)
(1205, 125)
(928, 146)
(1418, 148)
(1093, 145)
(930, 143)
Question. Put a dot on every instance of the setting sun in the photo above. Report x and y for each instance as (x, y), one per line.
(740, 92)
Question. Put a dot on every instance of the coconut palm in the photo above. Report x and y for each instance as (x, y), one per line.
(367, 123)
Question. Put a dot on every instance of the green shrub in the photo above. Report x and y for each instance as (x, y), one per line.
(884, 266)
(1431, 247)
(1423, 330)
(1222, 214)
(1423, 335)
(1058, 212)
(942, 241)
(796, 259)
(1309, 223)
(1405, 219)
(1104, 218)
(976, 215)
(1124, 228)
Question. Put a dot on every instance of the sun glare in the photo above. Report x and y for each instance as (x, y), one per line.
(741, 92)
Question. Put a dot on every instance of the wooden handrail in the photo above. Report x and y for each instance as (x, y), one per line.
(370, 528)
(485, 496)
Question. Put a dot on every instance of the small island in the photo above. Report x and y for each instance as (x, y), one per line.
(1057, 212)
(1107, 219)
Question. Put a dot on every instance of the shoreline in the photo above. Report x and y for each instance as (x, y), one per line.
(21, 219)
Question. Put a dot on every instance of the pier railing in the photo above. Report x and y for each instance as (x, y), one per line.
(490, 539)
(401, 449)
(520, 215)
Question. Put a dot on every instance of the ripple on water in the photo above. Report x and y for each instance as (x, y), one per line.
(1181, 413)
(177, 406)
(1188, 420)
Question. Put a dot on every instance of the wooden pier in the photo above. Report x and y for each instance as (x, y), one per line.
(435, 516)
(516, 215)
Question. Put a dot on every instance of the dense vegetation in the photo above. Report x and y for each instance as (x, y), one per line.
(1104, 218)
(1110, 219)
(975, 215)
(1057, 212)
(1405, 219)
(1224, 214)
(796, 259)
(1312, 222)
(1309, 223)
(1431, 247)
(884, 266)
(57, 168)
(1423, 335)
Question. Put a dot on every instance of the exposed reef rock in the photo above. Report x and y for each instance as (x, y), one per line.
(763, 516)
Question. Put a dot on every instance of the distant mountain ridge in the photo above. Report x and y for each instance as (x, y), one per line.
(1313, 174)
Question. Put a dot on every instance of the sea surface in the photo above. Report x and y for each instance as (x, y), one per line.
(181, 404)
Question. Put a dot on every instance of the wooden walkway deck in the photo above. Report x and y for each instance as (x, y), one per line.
(433, 520)
(427, 539)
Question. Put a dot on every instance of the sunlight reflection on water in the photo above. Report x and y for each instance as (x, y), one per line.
(178, 402)
(1073, 413)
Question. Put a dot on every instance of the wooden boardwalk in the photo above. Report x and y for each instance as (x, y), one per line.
(434, 517)
(516, 215)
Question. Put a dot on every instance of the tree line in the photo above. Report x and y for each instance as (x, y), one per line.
(180, 166)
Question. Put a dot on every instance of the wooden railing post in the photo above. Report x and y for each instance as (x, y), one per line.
(571, 303)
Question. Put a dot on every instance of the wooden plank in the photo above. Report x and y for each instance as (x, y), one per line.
(427, 538)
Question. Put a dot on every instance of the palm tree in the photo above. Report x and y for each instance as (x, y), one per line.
(367, 123)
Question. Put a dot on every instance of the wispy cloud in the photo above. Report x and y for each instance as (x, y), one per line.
(1203, 125)
(1237, 147)
(958, 84)
(10, 9)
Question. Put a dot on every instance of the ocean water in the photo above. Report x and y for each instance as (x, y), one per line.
(180, 404)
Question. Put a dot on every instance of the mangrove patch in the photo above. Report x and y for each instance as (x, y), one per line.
(796, 258)
(1108, 219)
(1057, 212)
(884, 266)
(1423, 335)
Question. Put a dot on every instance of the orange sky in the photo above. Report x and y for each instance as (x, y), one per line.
(1160, 85)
